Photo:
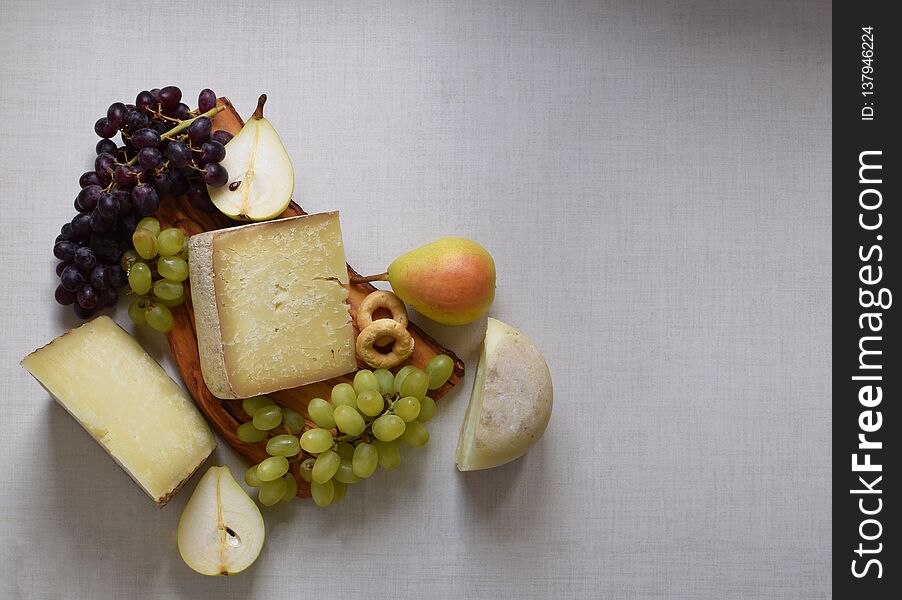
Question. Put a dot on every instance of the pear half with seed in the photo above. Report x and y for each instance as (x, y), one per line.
(221, 530)
(261, 178)
(511, 401)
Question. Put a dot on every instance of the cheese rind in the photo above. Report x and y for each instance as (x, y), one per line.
(270, 305)
(127, 402)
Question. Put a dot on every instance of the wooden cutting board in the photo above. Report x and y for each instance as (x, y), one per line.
(226, 415)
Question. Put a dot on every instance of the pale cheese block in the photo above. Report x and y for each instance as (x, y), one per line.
(271, 305)
(127, 402)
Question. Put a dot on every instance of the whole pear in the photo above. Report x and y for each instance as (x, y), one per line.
(450, 280)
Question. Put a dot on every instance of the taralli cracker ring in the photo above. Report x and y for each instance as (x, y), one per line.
(400, 350)
(373, 302)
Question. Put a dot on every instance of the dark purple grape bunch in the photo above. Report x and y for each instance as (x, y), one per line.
(166, 149)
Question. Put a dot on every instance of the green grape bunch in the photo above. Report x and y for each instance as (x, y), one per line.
(156, 268)
(358, 429)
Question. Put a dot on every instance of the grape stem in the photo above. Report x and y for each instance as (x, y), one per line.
(379, 277)
(183, 125)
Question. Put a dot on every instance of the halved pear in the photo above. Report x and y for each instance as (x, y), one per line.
(261, 178)
(511, 401)
(221, 530)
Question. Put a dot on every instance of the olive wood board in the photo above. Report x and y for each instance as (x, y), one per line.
(226, 415)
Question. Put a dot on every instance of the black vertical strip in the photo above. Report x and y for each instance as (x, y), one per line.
(867, 370)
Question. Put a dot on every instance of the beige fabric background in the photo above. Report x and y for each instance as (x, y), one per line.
(653, 180)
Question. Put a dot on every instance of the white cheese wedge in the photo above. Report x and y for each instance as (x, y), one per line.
(271, 305)
(128, 404)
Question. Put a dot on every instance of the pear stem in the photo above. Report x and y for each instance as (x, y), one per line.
(379, 277)
(183, 126)
(258, 114)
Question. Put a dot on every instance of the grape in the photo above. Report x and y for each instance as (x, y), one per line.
(66, 232)
(183, 253)
(212, 152)
(117, 277)
(340, 491)
(65, 250)
(283, 445)
(206, 100)
(268, 417)
(116, 115)
(415, 435)
(386, 380)
(144, 243)
(106, 248)
(408, 408)
(100, 277)
(136, 314)
(249, 434)
(388, 427)
(181, 112)
(129, 258)
(291, 487)
(348, 420)
(365, 460)
(87, 297)
(136, 121)
(107, 297)
(155, 92)
(172, 268)
(178, 153)
(222, 136)
(317, 440)
(427, 409)
(72, 279)
(145, 138)
(150, 158)
(323, 493)
(139, 278)
(165, 289)
(89, 177)
(64, 296)
(103, 165)
(251, 478)
(159, 318)
(104, 128)
(105, 145)
(101, 223)
(401, 375)
(108, 206)
(345, 451)
(81, 227)
(415, 384)
(389, 455)
(124, 197)
(62, 265)
(215, 175)
(272, 468)
(145, 102)
(254, 403)
(83, 313)
(145, 199)
(326, 465)
(126, 175)
(199, 198)
(151, 225)
(343, 395)
(161, 181)
(365, 380)
(370, 402)
(199, 129)
(170, 241)
(305, 469)
(161, 127)
(345, 472)
(89, 196)
(180, 185)
(272, 491)
(320, 413)
(170, 96)
(438, 370)
(293, 421)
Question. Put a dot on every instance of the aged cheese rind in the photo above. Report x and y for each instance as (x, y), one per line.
(127, 403)
(270, 305)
